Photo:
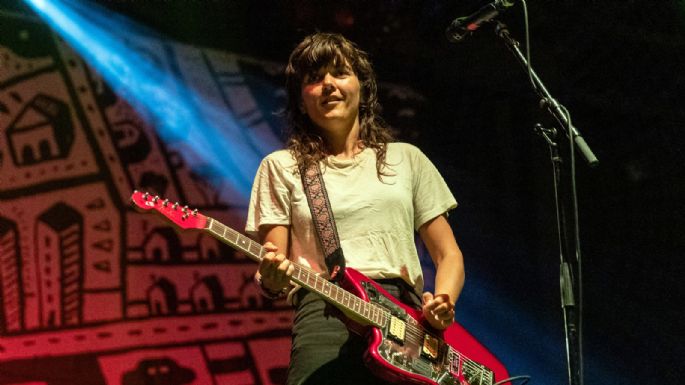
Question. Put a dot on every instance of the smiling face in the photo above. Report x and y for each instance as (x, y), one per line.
(330, 97)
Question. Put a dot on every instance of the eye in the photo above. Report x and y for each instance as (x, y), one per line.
(313, 77)
(342, 72)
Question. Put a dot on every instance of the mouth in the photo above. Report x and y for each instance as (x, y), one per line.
(331, 100)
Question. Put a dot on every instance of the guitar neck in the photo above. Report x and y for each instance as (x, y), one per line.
(366, 312)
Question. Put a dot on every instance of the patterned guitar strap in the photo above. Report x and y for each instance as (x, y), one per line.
(322, 215)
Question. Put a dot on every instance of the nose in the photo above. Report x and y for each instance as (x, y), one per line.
(327, 82)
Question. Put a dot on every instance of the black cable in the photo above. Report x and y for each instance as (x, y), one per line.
(524, 380)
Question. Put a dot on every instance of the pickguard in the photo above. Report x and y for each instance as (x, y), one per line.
(406, 346)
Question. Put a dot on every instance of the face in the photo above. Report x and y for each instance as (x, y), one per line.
(330, 97)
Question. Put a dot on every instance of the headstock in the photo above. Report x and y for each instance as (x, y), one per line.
(182, 217)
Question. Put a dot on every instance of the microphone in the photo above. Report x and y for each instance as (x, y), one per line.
(461, 27)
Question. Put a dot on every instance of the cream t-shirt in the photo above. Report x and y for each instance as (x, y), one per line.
(376, 219)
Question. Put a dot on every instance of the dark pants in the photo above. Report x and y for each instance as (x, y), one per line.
(323, 350)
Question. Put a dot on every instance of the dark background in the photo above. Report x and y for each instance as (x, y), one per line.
(616, 65)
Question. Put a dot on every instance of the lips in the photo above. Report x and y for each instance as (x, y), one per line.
(331, 99)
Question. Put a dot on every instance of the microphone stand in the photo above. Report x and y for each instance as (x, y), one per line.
(546, 99)
(568, 281)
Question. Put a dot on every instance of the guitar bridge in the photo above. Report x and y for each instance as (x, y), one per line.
(397, 329)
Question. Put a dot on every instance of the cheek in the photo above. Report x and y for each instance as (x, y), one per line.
(308, 95)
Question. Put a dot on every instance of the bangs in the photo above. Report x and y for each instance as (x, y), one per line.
(322, 54)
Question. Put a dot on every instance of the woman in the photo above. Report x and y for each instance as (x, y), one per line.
(380, 193)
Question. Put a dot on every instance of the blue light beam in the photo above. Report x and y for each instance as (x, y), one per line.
(207, 134)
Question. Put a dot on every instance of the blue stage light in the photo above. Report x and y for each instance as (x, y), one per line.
(205, 132)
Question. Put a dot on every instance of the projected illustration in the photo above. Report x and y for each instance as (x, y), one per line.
(87, 282)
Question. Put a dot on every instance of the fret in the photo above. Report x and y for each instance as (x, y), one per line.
(235, 236)
(223, 234)
(317, 280)
(242, 243)
(212, 226)
(255, 249)
(334, 293)
(297, 273)
(339, 294)
(312, 279)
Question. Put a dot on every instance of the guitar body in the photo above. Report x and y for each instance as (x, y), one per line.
(402, 346)
(415, 358)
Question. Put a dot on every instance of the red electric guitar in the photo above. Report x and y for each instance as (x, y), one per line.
(402, 347)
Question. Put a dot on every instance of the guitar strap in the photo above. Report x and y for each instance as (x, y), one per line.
(324, 222)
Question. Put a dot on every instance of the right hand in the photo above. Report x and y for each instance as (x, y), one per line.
(275, 269)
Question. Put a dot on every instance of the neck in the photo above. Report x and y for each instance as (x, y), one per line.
(344, 143)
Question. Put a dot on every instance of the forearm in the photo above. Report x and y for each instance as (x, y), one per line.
(449, 276)
(449, 263)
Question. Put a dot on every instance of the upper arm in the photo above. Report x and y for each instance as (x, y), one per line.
(279, 235)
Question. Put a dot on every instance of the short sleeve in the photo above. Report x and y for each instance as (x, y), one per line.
(270, 197)
(432, 197)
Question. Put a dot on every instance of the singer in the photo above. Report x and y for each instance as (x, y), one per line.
(381, 192)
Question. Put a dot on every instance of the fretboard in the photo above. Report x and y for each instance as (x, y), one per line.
(366, 311)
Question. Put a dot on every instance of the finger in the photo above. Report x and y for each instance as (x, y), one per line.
(290, 271)
(448, 315)
(283, 267)
(442, 308)
(269, 267)
(427, 297)
(270, 246)
(269, 257)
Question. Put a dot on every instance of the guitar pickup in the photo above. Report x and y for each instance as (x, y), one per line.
(397, 329)
(430, 347)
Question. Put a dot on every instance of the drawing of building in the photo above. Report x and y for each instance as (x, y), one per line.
(162, 298)
(59, 257)
(11, 317)
(42, 131)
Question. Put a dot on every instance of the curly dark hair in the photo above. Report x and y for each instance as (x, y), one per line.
(317, 51)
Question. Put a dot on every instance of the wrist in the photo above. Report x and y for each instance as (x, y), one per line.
(268, 293)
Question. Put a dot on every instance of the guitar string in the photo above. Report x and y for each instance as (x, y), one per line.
(413, 331)
(416, 331)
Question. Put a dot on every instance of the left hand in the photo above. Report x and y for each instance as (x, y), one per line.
(438, 310)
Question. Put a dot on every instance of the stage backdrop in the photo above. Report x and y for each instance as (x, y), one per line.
(93, 292)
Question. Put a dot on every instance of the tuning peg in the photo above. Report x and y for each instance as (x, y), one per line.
(146, 195)
(155, 199)
(175, 206)
(165, 203)
(195, 212)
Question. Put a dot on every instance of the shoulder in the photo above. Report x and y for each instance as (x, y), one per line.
(280, 158)
(407, 151)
